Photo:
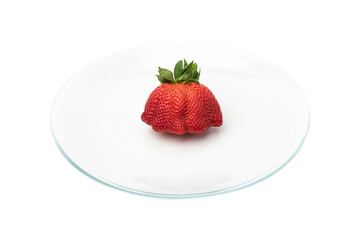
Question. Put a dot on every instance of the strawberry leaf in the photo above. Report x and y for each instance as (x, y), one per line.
(187, 68)
(189, 75)
(183, 77)
(183, 73)
(178, 69)
(161, 80)
(166, 74)
(193, 70)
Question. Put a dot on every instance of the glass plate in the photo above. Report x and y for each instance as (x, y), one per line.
(96, 123)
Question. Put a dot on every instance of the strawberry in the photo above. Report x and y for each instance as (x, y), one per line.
(181, 104)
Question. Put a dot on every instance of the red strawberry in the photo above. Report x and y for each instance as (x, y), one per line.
(181, 104)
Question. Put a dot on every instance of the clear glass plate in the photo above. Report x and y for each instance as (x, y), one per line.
(96, 123)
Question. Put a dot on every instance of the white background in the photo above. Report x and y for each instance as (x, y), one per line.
(44, 43)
